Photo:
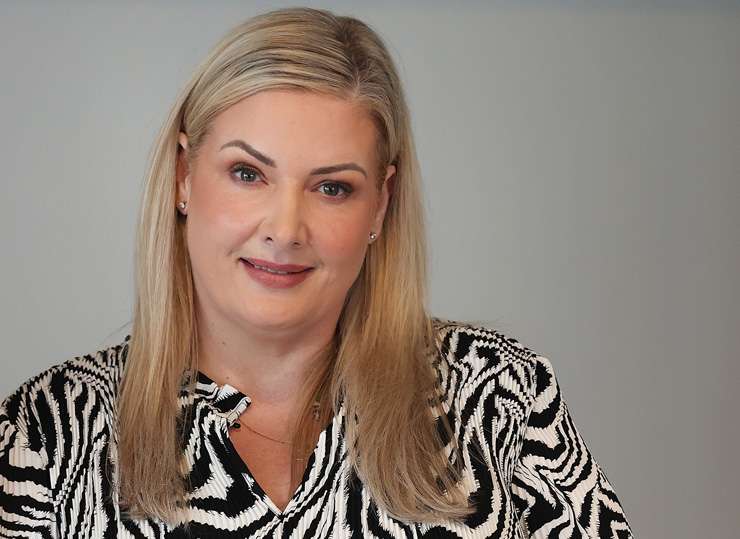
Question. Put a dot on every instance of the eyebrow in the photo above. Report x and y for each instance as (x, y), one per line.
(271, 163)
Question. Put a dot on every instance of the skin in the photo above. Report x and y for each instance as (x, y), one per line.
(262, 340)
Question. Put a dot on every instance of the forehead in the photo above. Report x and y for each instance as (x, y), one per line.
(298, 124)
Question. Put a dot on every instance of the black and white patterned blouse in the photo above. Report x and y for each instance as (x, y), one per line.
(530, 471)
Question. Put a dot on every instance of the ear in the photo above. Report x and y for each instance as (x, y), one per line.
(182, 174)
(385, 193)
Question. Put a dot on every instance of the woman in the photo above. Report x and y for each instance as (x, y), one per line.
(283, 377)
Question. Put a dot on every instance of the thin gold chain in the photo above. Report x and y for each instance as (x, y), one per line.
(264, 435)
(238, 424)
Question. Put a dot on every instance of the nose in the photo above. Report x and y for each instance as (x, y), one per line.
(284, 226)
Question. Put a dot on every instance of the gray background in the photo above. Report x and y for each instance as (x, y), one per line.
(582, 169)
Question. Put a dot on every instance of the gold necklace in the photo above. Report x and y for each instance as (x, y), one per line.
(237, 425)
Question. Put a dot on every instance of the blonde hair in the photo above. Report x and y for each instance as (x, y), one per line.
(379, 362)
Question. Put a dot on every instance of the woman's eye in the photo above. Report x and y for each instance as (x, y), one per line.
(334, 188)
(245, 174)
(248, 175)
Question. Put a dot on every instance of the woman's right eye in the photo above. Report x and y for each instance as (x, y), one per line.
(244, 174)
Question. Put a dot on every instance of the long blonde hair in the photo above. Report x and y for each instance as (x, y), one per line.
(379, 362)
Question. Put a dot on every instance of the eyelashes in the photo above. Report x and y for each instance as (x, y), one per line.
(239, 173)
(238, 170)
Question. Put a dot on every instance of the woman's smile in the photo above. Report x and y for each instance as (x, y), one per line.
(275, 278)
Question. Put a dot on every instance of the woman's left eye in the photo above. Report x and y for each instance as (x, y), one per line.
(335, 187)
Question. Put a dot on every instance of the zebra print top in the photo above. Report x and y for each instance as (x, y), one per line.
(529, 471)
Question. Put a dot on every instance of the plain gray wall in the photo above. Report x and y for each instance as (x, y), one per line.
(582, 174)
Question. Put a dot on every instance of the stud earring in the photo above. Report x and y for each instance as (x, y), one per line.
(373, 235)
(182, 205)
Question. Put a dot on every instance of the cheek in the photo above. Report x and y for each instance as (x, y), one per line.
(344, 245)
(217, 222)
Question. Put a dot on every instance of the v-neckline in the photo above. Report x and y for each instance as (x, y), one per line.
(229, 403)
(243, 468)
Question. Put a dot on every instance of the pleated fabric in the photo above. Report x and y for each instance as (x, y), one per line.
(528, 470)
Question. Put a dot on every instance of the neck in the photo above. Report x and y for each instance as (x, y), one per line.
(269, 365)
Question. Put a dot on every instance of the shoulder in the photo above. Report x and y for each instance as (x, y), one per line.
(480, 347)
(66, 393)
(477, 354)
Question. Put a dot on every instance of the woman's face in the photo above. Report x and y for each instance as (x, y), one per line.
(286, 177)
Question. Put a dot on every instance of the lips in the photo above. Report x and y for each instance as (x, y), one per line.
(289, 268)
(275, 279)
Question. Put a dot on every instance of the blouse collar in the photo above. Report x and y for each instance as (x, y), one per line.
(228, 401)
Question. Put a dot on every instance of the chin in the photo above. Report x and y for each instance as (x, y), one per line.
(271, 320)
